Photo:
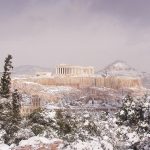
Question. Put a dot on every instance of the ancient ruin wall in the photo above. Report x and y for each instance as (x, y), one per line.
(79, 82)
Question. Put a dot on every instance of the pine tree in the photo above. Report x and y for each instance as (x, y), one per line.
(16, 98)
(124, 115)
(10, 118)
(135, 112)
(6, 79)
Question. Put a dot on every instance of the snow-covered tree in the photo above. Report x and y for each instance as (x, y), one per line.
(9, 105)
(6, 79)
(16, 99)
(135, 112)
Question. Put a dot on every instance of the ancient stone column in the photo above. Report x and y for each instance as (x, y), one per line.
(87, 71)
(74, 71)
(56, 71)
(79, 70)
(61, 70)
(71, 70)
(65, 70)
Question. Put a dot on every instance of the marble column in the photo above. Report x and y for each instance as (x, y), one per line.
(61, 70)
(75, 71)
(67, 70)
(56, 71)
(64, 70)
(71, 70)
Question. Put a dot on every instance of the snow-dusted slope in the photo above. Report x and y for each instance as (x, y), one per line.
(119, 68)
(30, 70)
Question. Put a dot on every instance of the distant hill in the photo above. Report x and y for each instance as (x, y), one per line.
(119, 68)
(30, 70)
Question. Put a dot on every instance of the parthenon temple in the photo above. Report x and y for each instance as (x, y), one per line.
(64, 69)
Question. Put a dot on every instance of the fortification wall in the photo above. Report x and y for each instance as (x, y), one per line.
(79, 82)
(119, 82)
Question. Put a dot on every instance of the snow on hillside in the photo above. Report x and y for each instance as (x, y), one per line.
(30, 70)
(119, 68)
(118, 65)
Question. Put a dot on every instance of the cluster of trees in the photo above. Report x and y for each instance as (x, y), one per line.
(135, 113)
(70, 126)
(9, 104)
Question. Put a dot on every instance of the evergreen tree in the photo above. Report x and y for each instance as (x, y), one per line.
(16, 98)
(128, 114)
(135, 113)
(6, 79)
(10, 117)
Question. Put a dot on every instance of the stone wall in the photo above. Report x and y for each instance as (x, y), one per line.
(83, 82)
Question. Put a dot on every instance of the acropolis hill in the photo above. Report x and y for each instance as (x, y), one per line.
(76, 82)
(84, 77)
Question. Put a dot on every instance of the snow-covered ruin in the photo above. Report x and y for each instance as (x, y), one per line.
(74, 83)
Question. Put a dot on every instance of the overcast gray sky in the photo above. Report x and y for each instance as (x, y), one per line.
(82, 32)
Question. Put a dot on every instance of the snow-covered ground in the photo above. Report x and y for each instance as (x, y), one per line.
(81, 130)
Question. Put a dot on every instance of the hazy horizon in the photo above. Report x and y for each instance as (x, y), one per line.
(80, 32)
